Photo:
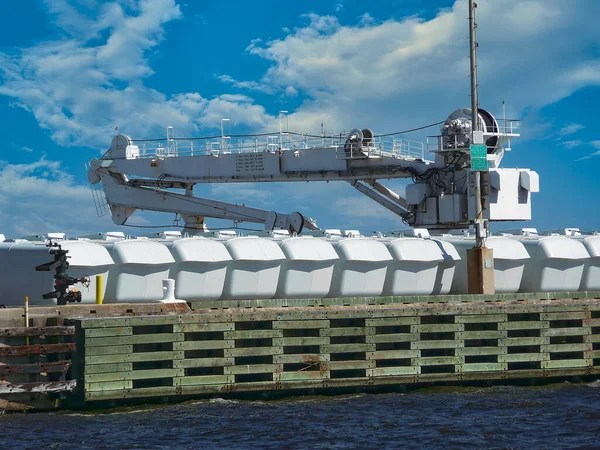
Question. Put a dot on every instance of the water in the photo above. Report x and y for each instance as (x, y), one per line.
(559, 416)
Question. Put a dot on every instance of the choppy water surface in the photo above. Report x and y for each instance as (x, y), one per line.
(558, 416)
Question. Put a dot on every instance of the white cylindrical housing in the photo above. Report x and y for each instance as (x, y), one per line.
(590, 280)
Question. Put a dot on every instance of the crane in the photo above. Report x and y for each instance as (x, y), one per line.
(161, 175)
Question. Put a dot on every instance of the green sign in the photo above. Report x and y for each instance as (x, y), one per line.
(479, 157)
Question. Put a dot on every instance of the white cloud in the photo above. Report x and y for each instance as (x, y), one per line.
(595, 144)
(82, 86)
(570, 129)
(41, 197)
(572, 144)
(249, 85)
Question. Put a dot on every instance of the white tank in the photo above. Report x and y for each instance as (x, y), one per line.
(254, 271)
(199, 269)
(361, 268)
(591, 272)
(414, 267)
(307, 269)
(556, 264)
(19, 278)
(140, 267)
(446, 268)
(510, 257)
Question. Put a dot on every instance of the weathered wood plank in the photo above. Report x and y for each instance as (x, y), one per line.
(110, 350)
(484, 334)
(580, 331)
(51, 386)
(592, 322)
(481, 318)
(37, 331)
(346, 348)
(350, 365)
(523, 357)
(119, 386)
(202, 327)
(437, 328)
(563, 315)
(482, 367)
(49, 367)
(422, 345)
(133, 375)
(387, 371)
(591, 354)
(563, 363)
(524, 325)
(204, 380)
(300, 358)
(592, 338)
(37, 349)
(134, 357)
(480, 351)
(304, 375)
(247, 369)
(438, 360)
(203, 345)
(253, 351)
(394, 354)
(392, 321)
(158, 338)
(520, 341)
(395, 337)
(558, 348)
(202, 362)
(253, 334)
(108, 332)
(348, 331)
(112, 367)
(298, 341)
(300, 324)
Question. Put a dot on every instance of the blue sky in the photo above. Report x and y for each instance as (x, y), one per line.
(70, 71)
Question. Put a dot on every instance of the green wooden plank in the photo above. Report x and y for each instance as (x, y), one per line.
(392, 321)
(393, 354)
(204, 380)
(395, 337)
(524, 325)
(203, 345)
(480, 351)
(520, 341)
(592, 338)
(565, 315)
(133, 357)
(247, 369)
(591, 354)
(109, 386)
(421, 345)
(300, 358)
(437, 328)
(253, 334)
(348, 331)
(481, 318)
(346, 348)
(110, 350)
(134, 375)
(106, 368)
(438, 360)
(523, 357)
(135, 339)
(579, 331)
(563, 363)
(202, 327)
(484, 334)
(300, 324)
(202, 362)
(296, 341)
(304, 375)
(591, 322)
(253, 351)
(561, 348)
(390, 371)
(350, 365)
(482, 367)
(108, 332)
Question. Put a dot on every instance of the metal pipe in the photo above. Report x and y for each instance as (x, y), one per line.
(99, 286)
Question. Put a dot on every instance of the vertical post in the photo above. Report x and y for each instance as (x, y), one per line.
(27, 317)
(99, 286)
(480, 260)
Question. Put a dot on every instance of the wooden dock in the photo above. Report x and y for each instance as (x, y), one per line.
(235, 348)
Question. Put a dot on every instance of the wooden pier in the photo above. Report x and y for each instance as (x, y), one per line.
(234, 348)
